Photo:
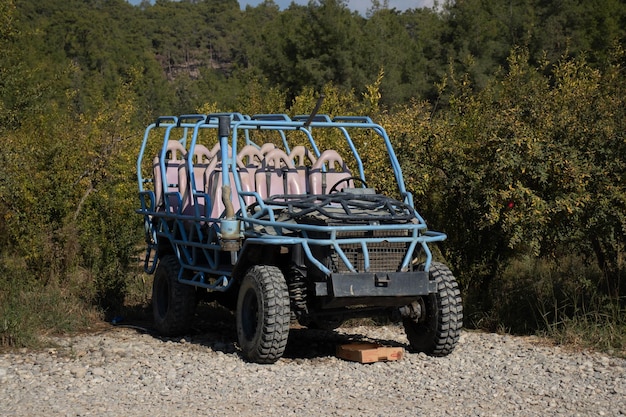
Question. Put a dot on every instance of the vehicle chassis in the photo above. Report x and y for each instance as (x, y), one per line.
(265, 229)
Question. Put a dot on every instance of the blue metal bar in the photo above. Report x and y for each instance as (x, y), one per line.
(354, 152)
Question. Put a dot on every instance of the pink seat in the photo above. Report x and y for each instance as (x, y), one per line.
(214, 188)
(216, 151)
(277, 175)
(301, 156)
(266, 147)
(303, 159)
(174, 161)
(249, 159)
(202, 158)
(321, 180)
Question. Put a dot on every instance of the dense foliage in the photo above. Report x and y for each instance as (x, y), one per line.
(508, 118)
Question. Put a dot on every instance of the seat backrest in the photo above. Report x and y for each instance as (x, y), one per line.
(202, 158)
(213, 177)
(277, 175)
(216, 151)
(301, 156)
(304, 160)
(168, 183)
(266, 147)
(327, 171)
(250, 157)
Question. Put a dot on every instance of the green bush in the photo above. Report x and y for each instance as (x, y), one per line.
(563, 298)
(532, 293)
(29, 308)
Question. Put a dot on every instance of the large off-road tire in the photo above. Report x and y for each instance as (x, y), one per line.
(173, 303)
(263, 314)
(438, 329)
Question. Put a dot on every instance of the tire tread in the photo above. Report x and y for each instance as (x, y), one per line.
(181, 304)
(441, 338)
(269, 345)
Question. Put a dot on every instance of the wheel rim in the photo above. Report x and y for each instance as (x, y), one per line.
(250, 315)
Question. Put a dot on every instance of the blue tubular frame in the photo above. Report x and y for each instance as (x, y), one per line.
(188, 234)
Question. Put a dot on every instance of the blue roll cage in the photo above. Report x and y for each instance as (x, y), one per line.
(196, 247)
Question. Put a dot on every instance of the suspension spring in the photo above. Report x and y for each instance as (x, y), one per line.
(297, 290)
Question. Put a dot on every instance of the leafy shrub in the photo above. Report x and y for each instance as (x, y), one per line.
(533, 293)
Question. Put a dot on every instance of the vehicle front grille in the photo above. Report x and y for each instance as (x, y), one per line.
(383, 256)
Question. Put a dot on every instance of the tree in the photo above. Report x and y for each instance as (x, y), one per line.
(575, 27)
(313, 45)
(523, 167)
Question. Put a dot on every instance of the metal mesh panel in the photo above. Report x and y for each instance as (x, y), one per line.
(385, 256)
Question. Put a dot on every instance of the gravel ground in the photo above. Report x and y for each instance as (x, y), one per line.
(124, 372)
